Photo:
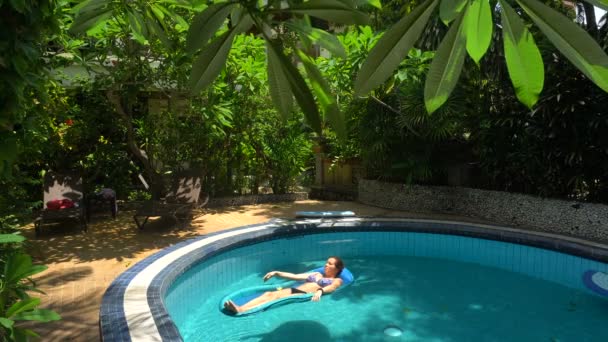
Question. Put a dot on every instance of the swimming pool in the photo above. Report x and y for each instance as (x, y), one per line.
(411, 277)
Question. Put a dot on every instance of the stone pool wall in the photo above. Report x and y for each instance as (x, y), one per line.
(585, 220)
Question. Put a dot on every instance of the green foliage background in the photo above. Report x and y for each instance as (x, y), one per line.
(242, 130)
(233, 133)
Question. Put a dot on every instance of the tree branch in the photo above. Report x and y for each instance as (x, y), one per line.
(155, 179)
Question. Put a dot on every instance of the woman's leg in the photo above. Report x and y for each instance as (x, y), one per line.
(264, 298)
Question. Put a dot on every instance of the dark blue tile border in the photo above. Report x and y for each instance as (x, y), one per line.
(113, 324)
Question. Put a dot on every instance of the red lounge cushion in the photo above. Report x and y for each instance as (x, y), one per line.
(57, 204)
(66, 203)
(53, 204)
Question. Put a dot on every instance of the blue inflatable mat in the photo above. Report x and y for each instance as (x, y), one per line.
(596, 281)
(245, 295)
(324, 214)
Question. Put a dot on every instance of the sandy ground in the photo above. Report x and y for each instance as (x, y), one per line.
(82, 265)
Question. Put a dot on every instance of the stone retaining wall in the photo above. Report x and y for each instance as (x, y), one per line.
(232, 201)
(584, 220)
(329, 193)
(256, 199)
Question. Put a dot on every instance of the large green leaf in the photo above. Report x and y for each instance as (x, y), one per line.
(328, 41)
(35, 269)
(89, 6)
(213, 57)
(11, 238)
(524, 61)
(479, 25)
(7, 323)
(158, 31)
(210, 62)
(89, 20)
(158, 12)
(449, 9)
(321, 37)
(571, 40)
(603, 4)
(373, 3)
(16, 264)
(141, 22)
(39, 315)
(324, 95)
(392, 48)
(280, 92)
(138, 26)
(18, 267)
(319, 86)
(205, 24)
(237, 13)
(299, 88)
(22, 305)
(331, 10)
(176, 17)
(446, 67)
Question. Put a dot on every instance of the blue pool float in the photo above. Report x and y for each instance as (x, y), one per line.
(245, 295)
(596, 281)
(324, 214)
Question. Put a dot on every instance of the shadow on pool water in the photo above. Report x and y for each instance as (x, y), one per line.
(295, 331)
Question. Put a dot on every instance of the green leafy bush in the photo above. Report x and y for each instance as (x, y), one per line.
(558, 150)
(16, 304)
(25, 27)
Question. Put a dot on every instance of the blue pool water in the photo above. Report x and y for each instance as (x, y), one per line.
(429, 287)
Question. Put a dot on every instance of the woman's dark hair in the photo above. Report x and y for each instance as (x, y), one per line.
(339, 264)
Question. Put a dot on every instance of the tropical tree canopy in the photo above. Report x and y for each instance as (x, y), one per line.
(214, 28)
(289, 30)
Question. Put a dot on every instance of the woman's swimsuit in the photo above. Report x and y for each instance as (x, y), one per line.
(322, 282)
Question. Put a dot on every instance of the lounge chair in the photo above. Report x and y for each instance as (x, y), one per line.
(178, 204)
(63, 199)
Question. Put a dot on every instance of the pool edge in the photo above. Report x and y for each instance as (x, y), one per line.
(141, 289)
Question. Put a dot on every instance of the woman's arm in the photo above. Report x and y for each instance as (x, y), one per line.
(327, 289)
(286, 275)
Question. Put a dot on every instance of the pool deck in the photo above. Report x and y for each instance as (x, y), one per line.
(82, 265)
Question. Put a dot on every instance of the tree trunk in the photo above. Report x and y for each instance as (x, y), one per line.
(156, 180)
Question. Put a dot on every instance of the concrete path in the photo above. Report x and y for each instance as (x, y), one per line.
(82, 265)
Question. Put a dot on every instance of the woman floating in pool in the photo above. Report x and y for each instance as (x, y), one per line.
(315, 282)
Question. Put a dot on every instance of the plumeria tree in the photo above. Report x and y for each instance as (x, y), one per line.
(470, 33)
(286, 27)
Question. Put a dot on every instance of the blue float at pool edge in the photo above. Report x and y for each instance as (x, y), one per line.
(324, 214)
